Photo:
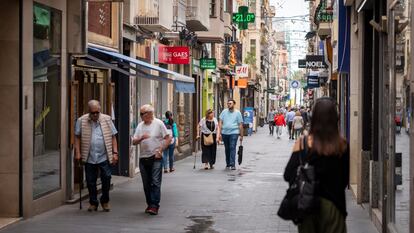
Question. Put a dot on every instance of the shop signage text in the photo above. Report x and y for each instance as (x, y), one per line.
(315, 62)
(173, 55)
(242, 71)
(313, 82)
(208, 63)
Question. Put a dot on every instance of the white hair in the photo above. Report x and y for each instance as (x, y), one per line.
(147, 108)
(94, 103)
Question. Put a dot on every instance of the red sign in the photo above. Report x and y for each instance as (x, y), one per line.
(173, 55)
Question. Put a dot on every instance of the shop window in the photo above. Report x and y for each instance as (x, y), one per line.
(46, 99)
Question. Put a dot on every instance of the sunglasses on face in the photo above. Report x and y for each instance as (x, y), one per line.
(229, 103)
(143, 113)
(94, 113)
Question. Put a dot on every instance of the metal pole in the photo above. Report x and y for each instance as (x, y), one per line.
(411, 102)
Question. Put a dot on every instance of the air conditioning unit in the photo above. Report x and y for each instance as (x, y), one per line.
(154, 16)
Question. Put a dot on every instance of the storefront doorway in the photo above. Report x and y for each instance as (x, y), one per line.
(89, 83)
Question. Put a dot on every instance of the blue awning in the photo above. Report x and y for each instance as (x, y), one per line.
(181, 82)
(184, 87)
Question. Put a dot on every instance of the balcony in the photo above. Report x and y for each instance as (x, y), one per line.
(180, 10)
(227, 24)
(154, 16)
(197, 17)
(215, 34)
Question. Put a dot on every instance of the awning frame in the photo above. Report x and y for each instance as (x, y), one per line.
(181, 82)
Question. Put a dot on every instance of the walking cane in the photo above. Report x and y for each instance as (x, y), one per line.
(195, 158)
(80, 183)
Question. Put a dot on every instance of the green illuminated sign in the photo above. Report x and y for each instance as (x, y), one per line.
(243, 17)
(208, 63)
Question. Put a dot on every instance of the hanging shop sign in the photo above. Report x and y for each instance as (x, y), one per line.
(173, 55)
(315, 62)
(208, 63)
(242, 71)
(302, 63)
(243, 17)
(313, 81)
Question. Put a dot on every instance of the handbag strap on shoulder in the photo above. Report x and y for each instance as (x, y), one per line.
(304, 150)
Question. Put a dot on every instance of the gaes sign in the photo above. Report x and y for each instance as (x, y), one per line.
(173, 55)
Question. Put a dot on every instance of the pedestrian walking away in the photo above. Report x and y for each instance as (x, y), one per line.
(289, 118)
(298, 125)
(207, 131)
(168, 154)
(230, 128)
(96, 145)
(304, 114)
(153, 137)
(270, 121)
(328, 153)
(280, 123)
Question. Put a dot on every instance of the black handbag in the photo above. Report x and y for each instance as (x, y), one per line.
(300, 199)
(240, 153)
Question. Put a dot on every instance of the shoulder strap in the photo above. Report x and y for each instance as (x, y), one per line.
(304, 150)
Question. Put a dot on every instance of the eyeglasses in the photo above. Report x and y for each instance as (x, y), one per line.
(229, 103)
(143, 113)
(94, 113)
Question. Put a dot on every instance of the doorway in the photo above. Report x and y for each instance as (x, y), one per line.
(87, 84)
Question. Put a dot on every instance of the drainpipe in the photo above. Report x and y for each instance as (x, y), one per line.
(390, 195)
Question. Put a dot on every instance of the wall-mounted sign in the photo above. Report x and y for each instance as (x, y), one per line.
(315, 62)
(302, 63)
(173, 55)
(243, 17)
(208, 63)
(242, 71)
(313, 81)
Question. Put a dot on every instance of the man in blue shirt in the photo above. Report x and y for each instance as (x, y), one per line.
(289, 119)
(96, 146)
(230, 127)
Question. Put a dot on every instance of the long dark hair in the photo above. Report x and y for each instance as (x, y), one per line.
(169, 116)
(325, 128)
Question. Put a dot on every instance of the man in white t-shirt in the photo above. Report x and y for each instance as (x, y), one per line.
(153, 138)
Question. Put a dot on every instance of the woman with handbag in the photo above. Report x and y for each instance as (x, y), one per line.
(328, 152)
(207, 130)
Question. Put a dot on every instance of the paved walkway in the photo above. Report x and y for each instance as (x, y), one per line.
(197, 200)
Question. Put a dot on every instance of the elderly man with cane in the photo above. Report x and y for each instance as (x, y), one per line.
(96, 145)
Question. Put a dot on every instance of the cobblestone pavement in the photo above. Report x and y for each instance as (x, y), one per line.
(197, 200)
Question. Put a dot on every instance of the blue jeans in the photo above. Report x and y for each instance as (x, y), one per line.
(91, 172)
(151, 174)
(168, 157)
(230, 143)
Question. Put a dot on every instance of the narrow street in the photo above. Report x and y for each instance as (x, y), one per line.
(198, 200)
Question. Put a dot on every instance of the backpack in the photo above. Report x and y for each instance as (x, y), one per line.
(300, 199)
